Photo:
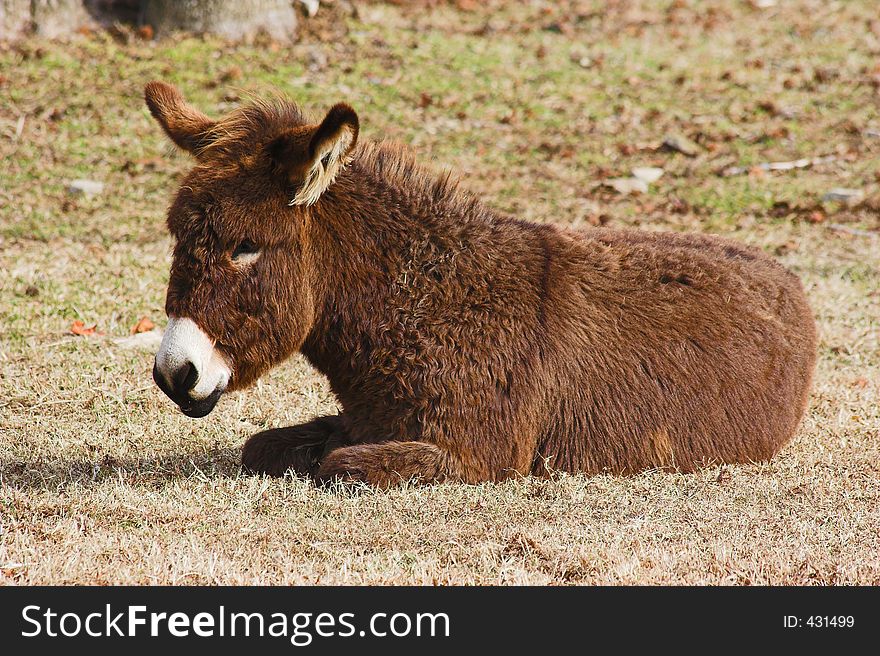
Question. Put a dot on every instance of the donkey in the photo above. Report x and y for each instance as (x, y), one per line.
(461, 344)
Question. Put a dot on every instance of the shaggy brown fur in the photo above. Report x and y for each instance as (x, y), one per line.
(463, 344)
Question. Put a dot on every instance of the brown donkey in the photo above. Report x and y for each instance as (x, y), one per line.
(461, 344)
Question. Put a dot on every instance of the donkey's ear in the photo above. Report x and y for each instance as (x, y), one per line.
(183, 123)
(328, 149)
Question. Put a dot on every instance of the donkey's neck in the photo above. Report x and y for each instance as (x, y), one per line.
(373, 236)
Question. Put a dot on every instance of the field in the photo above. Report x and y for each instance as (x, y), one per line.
(539, 107)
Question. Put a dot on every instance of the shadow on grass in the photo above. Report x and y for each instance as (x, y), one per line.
(155, 472)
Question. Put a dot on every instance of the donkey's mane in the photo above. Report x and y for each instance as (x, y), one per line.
(234, 138)
(396, 164)
(237, 134)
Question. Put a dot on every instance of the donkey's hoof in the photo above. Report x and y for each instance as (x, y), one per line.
(336, 468)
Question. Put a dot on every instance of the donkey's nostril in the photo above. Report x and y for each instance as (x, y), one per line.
(185, 378)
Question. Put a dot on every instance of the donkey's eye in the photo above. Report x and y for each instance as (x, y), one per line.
(245, 248)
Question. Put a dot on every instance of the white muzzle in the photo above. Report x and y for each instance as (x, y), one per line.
(189, 369)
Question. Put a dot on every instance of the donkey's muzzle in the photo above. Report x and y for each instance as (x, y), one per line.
(189, 369)
(180, 394)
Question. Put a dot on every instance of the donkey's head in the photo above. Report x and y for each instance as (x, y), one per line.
(241, 294)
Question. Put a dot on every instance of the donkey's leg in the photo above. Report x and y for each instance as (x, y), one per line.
(299, 447)
(389, 463)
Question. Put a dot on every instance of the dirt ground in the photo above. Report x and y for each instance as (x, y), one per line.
(540, 107)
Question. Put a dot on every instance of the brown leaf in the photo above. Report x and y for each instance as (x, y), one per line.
(509, 118)
(788, 247)
(597, 219)
(142, 326)
(79, 328)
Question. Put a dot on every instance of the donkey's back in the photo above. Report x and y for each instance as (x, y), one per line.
(672, 350)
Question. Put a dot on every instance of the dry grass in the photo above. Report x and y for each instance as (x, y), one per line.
(101, 481)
